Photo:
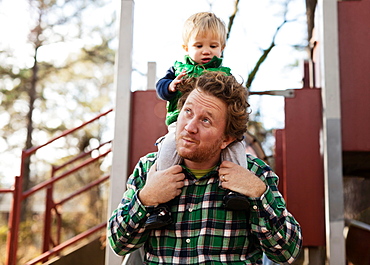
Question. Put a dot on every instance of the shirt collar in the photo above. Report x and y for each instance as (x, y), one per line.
(213, 63)
(191, 176)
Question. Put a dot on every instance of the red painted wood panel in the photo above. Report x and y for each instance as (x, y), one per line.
(354, 61)
(147, 124)
(302, 165)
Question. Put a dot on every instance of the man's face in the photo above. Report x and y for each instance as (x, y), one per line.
(200, 130)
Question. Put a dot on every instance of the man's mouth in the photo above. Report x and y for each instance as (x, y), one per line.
(188, 140)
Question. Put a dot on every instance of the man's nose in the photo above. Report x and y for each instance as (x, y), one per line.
(191, 126)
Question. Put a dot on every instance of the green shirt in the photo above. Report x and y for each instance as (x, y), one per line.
(203, 231)
(192, 70)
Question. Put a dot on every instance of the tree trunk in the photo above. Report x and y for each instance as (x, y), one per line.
(25, 210)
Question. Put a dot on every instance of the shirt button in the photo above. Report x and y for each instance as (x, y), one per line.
(140, 214)
(255, 207)
(127, 234)
(190, 209)
(187, 240)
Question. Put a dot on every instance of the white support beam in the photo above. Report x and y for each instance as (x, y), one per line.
(123, 70)
(151, 75)
(332, 138)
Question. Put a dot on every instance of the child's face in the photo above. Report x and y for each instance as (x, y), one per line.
(202, 48)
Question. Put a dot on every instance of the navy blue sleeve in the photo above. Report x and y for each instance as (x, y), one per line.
(163, 83)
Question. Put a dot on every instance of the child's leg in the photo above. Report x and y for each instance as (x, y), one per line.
(167, 154)
(167, 157)
(235, 152)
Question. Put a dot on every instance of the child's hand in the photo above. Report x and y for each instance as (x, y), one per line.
(177, 80)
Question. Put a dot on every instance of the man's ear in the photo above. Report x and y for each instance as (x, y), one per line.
(227, 140)
(185, 47)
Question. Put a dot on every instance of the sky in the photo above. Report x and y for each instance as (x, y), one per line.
(157, 38)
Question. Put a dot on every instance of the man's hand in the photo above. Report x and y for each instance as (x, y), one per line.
(239, 179)
(176, 81)
(162, 186)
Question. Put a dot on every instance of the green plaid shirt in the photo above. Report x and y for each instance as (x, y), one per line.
(203, 232)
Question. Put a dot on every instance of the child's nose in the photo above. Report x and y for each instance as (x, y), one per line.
(206, 51)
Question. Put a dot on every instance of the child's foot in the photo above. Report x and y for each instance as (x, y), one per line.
(160, 217)
(236, 201)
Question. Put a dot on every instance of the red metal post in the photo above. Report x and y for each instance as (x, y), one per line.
(279, 161)
(14, 219)
(47, 218)
(15, 215)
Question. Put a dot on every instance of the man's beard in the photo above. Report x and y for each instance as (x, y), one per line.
(202, 154)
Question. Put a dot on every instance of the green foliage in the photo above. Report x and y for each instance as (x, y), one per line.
(3, 234)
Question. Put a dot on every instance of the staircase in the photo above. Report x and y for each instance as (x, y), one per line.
(92, 253)
(84, 248)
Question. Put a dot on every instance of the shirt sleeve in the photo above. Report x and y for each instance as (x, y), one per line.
(163, 83)
(125, 226)
(277, 230)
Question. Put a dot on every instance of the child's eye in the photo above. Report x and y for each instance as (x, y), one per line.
(199, 46)
(214, 46)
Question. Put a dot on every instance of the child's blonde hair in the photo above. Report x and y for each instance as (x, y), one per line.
(204, 23)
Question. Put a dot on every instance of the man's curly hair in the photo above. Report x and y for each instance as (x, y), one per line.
(226, 88)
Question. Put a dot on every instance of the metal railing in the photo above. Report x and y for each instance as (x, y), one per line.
(50, 205)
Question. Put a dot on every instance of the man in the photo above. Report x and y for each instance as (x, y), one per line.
(213, 114)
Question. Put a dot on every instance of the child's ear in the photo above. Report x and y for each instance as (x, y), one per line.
(185, 47)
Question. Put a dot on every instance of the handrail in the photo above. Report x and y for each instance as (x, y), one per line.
(80, 156)
(35, 148)
(6, 190)
(362, 225)
(19, 196)
(78, 192)
(51, 181)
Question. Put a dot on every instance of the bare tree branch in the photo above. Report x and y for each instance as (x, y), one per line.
(231, 19)
(266, 52)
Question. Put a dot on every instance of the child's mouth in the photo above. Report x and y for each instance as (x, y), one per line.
(207, 60)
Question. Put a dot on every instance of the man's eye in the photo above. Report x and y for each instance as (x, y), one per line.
(206, 120)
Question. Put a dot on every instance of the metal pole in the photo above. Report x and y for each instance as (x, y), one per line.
(15, 215)
(122, 115)
(48, 214)
(332, 138)
(14, 218)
